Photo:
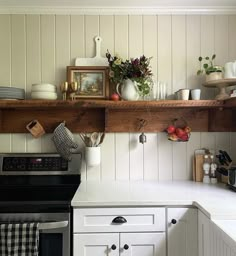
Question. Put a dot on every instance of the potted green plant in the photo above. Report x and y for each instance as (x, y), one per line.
(133, 74)
(213, 72)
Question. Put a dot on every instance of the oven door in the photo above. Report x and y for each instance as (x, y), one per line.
(54, 231)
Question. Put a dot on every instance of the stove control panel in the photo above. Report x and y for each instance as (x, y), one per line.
(38, 163)
(34, 164)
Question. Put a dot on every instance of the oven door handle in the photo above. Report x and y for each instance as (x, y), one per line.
(53, 225)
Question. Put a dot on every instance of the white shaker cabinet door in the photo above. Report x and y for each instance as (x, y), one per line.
(96, 244)
(182, 231)
(203, 235)
(142, 244)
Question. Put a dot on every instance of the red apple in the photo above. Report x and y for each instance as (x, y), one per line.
(184, 137)
(115, 97)
(173, 137)
(180, 132)
(170, 129)
(187, 129)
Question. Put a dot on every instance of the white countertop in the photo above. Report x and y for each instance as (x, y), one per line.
(216, 201)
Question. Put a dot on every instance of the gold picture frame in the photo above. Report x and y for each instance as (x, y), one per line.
(92, 81)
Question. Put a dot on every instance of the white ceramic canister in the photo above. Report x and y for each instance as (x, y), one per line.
(92, 156)
(195, 94)
(230, 70)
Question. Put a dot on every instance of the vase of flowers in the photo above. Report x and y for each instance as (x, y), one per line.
(133, 77)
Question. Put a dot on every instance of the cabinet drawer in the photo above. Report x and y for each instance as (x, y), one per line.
(102, 219)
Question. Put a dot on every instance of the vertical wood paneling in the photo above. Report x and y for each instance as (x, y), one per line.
(221, 39)
(121, 36)
(33, 65)
(122, 156)
(18, 56)
(48, 49)
(91, 31)
(5, 68)
(165, 157)
(150, 41)
(5, 50)
(136, 50)
(37, 48)
(232, 37)
(62, 47)
(77, 38)
(33, 54)
(179, 81)
(179, 52)
(135, 36)
(150, 157)
(108, 157)
(164, 51)
(179, 161)
(107, 34)
(18, 143)
(47, 144)
(18, 61)
(208, 140)
(207, 48)
(33, 145)
(222, 140)
(192, 145)
(193, 48)
(136, 157)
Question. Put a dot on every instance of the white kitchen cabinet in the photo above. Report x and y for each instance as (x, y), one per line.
(123, 244)
(203, 235)
(182, 232)
(212, 240)
(138, 232)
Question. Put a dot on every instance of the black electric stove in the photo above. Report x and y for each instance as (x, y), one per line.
(38, 182)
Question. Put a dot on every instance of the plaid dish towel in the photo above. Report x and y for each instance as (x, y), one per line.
(19, 239)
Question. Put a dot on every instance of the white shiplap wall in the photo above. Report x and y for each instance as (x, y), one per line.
(37, 48)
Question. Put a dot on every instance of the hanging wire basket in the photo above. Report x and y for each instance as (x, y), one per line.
(178, 130)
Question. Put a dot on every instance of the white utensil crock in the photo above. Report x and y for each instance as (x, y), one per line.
(92, 156)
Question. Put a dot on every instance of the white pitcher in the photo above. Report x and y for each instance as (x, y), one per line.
(128, 90)
(230, 70)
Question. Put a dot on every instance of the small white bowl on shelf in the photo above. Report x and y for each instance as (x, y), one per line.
(44, 95)
(43, 88)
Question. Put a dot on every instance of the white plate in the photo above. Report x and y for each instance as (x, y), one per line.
(43, 88)
(44, 95)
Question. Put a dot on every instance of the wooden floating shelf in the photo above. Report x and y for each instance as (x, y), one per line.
(117, 116)
(110, 104)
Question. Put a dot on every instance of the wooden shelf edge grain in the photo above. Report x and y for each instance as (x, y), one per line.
(110, 104)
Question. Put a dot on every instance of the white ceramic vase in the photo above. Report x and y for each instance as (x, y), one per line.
(128, 90)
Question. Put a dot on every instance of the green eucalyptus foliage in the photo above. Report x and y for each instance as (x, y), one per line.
(208, 66)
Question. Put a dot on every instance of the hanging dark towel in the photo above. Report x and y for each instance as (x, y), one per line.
(19, 239)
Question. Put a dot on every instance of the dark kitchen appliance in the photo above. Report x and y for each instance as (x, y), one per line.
(232, 178)
(39, 188)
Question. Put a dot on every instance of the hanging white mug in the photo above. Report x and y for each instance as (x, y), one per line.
(230, 70)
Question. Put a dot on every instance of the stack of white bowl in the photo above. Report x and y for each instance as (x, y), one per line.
(44, 91)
